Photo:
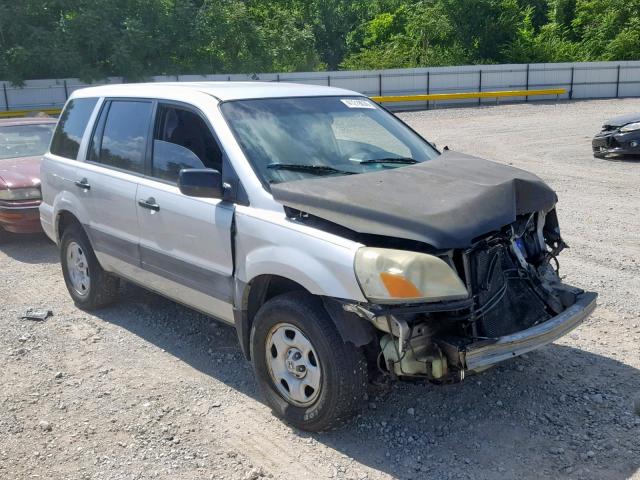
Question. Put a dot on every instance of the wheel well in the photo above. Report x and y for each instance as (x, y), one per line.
(256, 293)
(65, 220)
(264, 288)
(261, 289)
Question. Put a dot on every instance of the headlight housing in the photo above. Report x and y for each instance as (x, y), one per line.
(29, 193)
(630, 127)
(399, 276)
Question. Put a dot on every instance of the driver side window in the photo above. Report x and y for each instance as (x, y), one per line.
(182, 140)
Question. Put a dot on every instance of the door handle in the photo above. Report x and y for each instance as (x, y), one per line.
(84, 184)
(149, 204)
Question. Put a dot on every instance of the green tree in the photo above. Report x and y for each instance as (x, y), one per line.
(135, 39)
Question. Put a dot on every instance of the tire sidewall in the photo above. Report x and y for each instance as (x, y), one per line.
(75, 234)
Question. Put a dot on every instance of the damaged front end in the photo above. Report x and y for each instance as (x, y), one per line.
(516, 303)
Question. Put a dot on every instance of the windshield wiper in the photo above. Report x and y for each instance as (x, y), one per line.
(404, 161)
(313, 169)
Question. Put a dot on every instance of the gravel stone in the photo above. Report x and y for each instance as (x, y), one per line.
(45, 426)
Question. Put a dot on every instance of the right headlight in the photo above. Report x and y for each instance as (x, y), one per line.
(630, 127)
(399, 276)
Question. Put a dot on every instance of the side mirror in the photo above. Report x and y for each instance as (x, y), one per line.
(200, 182)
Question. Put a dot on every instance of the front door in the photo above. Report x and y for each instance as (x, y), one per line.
(185, 242)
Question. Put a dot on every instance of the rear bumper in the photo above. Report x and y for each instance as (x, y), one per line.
(485, 354)
(20, 218)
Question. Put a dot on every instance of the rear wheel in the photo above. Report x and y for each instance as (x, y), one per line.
(307, 374)
(89, 285)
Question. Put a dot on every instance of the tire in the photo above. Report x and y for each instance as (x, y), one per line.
(340, 366)
(94, 288)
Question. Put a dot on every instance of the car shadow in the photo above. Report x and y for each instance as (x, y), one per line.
(621, 158)
(29, 248)
(559, 412)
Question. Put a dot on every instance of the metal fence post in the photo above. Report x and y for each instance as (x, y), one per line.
(66, 90)
(480, 85)
(380, 84)
(278, 77)
(526, 99)
(571, 87)
(618, 83)
(328, 80)
(6, 97)
(428, 86)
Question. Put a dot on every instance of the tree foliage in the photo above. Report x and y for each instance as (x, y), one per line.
(92, 39)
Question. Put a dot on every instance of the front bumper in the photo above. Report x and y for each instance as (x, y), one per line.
(616, 143)
(485, 354)
(23, 217)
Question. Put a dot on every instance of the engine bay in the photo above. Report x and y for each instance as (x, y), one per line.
(513, 281)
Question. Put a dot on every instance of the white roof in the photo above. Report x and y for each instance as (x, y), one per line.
(220, 90)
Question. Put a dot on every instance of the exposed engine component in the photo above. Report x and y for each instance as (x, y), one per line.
(419, 357)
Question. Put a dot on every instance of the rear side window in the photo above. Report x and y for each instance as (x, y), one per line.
(71, 126)
(120, 139)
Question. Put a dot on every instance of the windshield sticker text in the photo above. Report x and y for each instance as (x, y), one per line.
(357, 103)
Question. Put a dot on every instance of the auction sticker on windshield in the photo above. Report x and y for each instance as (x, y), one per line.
(357, 103)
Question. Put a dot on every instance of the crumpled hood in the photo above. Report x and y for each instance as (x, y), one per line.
(445, 202)
(20, 172)
(622, 120)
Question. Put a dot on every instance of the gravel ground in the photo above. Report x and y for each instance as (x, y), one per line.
(149, 389)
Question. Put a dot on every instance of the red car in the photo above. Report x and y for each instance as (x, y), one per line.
(23, 141)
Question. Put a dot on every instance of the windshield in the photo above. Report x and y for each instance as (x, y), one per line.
(25, 140)
(293, 138)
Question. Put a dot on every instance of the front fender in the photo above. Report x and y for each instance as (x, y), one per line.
(322, 263)
(320, 276)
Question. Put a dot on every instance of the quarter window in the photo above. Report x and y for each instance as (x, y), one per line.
(182, 140)
(120, 139)
(71, 126)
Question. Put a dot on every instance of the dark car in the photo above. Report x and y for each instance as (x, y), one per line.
(619, 136)
(23, 141)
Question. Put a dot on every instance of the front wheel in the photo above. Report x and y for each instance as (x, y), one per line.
(307, 374)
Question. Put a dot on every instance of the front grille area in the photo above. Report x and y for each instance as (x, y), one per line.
(505, 301)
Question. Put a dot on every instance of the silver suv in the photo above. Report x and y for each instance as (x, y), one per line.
(340, 244)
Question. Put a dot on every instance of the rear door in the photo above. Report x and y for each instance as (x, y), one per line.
(108, 180)
(185, 242)
(60, 169)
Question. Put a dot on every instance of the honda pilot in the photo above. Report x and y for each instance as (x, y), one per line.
(339, 243)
